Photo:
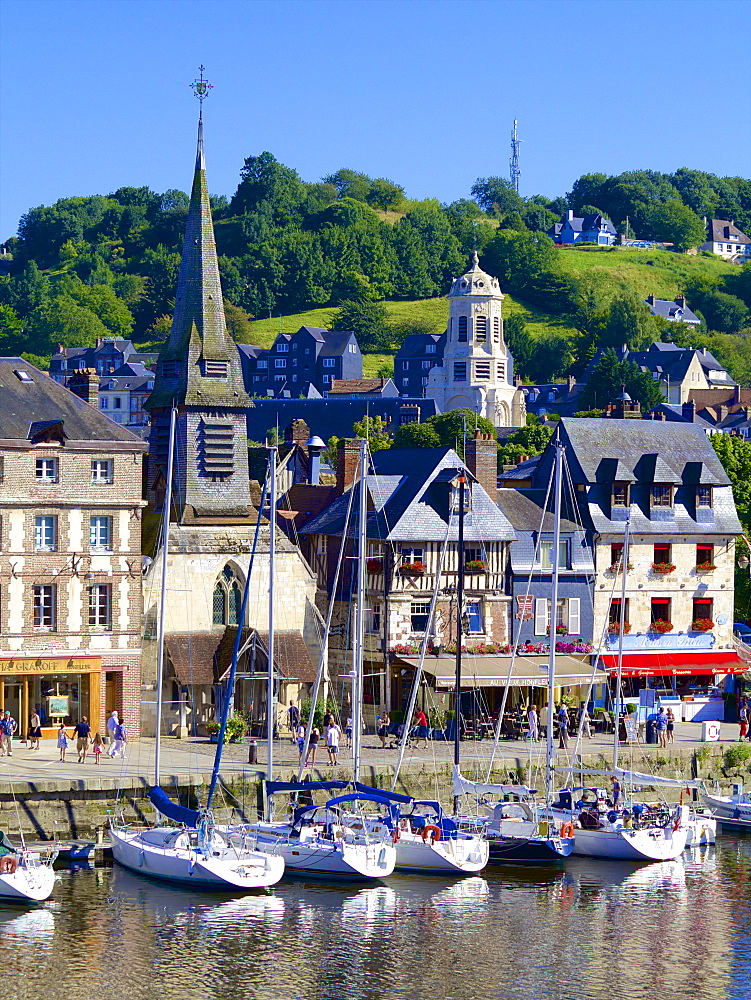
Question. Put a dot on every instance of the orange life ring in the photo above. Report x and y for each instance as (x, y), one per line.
(8, 864)
(567, 830)
(435, 830)
(396, 834)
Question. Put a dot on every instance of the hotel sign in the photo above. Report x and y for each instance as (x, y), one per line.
(52, 665)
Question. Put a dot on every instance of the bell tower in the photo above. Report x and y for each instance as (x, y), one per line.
(199, 373)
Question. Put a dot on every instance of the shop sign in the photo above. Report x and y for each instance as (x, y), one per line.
(525, 605)
(57, 665)
(672, 640)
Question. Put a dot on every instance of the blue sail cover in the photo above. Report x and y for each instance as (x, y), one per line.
(172, 810)
(274, 787)
(383, 793)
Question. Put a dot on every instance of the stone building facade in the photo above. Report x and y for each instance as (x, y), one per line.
(70, 555)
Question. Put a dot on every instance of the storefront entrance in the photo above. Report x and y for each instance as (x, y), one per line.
(59, 689)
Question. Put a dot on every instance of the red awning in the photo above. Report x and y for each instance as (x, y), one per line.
(675, 664)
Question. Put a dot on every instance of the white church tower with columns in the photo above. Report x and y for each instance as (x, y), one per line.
(476, 371)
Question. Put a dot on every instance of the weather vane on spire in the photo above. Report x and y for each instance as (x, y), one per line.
(201, 88)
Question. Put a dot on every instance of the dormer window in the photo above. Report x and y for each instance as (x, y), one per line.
(703, 496)
(620, 495)
(215, 369)
(662, 496)
(462, 337)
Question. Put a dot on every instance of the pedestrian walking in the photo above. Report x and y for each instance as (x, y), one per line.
(313, 747)
(300, 734)
(35, 730)
(671, 726)
(112, 724)
(82, 734)
(348, 731)
(293, 719)
(383, 728)
(563, 727)
(121, 738)
(62, 740)
(662, 727)
(534, 733)
(743, 722)
(8, 726)
(421, 722)
(584, 719)
(97, 747)
(333, 735)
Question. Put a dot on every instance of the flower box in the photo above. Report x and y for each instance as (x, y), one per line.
(374, 565)
(706, 567)
(702, 625)
(614, 628)
(559, 630)
(617, 567)
(661, 626)
(663, 567)
(412, 569)
(475, 566)
(403, 649)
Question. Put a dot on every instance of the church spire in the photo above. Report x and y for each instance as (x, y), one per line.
(199, 364)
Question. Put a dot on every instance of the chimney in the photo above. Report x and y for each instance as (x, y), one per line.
(314, 447)
(571, 383)
(517, 380)
(481, 457)
(737, 394)
(681, 301)
(347, 461)
(651, 299)
(688, 411)
(569, 214)
(297, 432)
(84, 382)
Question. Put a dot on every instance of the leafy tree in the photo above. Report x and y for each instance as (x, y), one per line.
(586, 191)
(469, 225)
(267, 183)
(104, 303)
(63, 320)
(385, 370)
(10, 330)
(673, 222)
(451, 427)
(384, 194)
(735, 455)
(416, 436)
(723, 312)
(497, 196)
(350, 184)
(331, 454)
(610, 377)
(374, 430)
(551, 357)
(159, 329)
(529, 440)
(696, 191)
(28, 290)
(369, 320)
(239, 323)
(527, 266)
(519, 342)
(629, 321)
(538, 218)
(739, 284)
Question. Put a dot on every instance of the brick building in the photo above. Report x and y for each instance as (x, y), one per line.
(70, 555)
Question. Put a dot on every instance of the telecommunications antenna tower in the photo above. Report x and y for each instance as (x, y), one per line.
(515, 170)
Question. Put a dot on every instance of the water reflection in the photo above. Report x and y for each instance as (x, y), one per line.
(592, 930)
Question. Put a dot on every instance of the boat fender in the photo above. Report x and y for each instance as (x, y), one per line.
(8, 864)
(434, 830)
(396, 834)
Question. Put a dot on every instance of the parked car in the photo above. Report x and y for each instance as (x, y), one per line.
(742, 631)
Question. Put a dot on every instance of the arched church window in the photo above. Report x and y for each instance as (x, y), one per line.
(497, 329)
(481, 329)
(227, 598)
(462, 338)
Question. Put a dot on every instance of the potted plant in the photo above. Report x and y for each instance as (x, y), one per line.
(618, 566)
(559, 630)
(614, 628)
(412, 569)
(663, 567)
(475, 566)
(702, 625)
(662, 626)
(705, 567)
(375, 565)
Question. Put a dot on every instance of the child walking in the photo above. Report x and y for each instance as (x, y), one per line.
(97, 747)
(62, 740)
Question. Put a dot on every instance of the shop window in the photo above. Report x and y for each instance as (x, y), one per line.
(46, 470)
(662, 496)
(226, 599)
(100, 605)
(660, 609)
(703, 496)
(546, 554)
(620, 494)
(100, 532)
(462, 337)
(44, 606)
(705, 555)
(45, 533)
(419, 614)
(101, 470)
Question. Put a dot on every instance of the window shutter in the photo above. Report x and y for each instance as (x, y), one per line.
(574, 625)
(541, 616)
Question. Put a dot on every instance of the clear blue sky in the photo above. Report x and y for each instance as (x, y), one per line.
(96, 93)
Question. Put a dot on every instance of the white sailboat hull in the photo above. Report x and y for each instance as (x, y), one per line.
(466, 855)
(655, 844)
(231, 869)
(733, 808)
(325, 858)
(27, 884)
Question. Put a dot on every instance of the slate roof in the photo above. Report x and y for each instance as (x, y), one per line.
(672, 309)
(721, 229)
(350, 386)
(409, 500)
(674, 412)
(414, 345)
(303, 502)
(330, 417)
(291, 655)
(42, 399)
(583, 224)
(645, 452)
(336, 342)
(192, 656)
(524, 509)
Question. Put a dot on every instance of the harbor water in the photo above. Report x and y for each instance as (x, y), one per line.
(590, 930)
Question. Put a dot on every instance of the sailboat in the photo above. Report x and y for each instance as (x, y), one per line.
(330, 840)
(190, 850)
(639, 832)
(24, 876)
(515, 829)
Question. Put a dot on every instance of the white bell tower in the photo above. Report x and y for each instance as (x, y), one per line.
(476, 364)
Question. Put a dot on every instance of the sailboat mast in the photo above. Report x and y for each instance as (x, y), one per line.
(459, 616)
(553, 613)
(163, 595)
(359, 617)
(270, 645)
(621, 624)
